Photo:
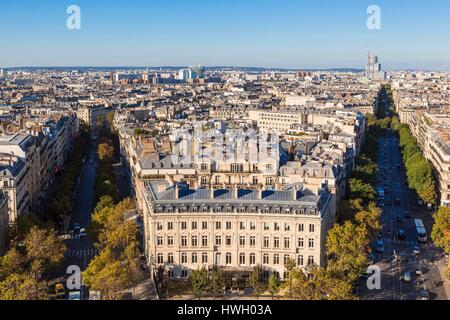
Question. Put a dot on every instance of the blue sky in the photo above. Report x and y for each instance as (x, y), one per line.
(268, 33)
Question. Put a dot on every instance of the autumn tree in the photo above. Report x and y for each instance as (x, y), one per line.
(10, 263)
(347, 246)
(105, 152)
(23, 286)
(44, 249)
(427, 191)
(118, 244)
(107, 274)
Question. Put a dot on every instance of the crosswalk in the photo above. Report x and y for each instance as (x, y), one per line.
(82, 253)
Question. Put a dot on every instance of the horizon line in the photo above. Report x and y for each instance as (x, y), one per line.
(354, 69)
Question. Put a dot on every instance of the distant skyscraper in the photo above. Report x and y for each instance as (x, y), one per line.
(197, 72)
(373, 68)
(184, 75)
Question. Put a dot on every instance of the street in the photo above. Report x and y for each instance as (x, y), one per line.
(81, 251)
(400, 208)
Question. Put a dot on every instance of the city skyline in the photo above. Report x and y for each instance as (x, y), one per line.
(291, 35)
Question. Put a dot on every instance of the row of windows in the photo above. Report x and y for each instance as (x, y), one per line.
(238, 209)
(242, 180)
(244, 259)
(229, 226)
(276, 243)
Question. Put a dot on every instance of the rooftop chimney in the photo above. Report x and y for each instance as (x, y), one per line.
(236, 192)
(177, 191)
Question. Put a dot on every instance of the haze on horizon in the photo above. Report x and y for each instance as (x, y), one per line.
(296, 34)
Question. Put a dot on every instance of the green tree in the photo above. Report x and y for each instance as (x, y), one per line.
(362, 190)
(199, 282)
(274, 286)
(291, 273)
(216, 282)
(369, 217)
(256, 280)
(441, 229)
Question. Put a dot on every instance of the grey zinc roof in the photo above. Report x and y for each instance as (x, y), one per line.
(166, 197)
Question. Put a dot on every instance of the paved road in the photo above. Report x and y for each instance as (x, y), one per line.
(81, 251)
(392, 177)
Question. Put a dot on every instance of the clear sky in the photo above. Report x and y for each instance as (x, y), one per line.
(266, 33)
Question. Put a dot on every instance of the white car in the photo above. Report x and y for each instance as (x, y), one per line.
(407, 277)
(416, 250)
(83, 233)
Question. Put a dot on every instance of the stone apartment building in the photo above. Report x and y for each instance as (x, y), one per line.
(235, 229)
(4, 222)
(29, 160)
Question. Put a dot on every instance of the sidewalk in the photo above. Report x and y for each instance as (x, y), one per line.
(144, 291)
(442, 264)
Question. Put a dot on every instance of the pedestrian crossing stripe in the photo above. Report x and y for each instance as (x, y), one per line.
(82, 253)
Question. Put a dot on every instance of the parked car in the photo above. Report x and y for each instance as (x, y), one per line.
(402, 234)
(83, 233)
(60, 291)
(419, 271)
(399, 218)
(424, 295)
(75, 295)
(380, 246)
(398, 201)
(416, 250)
(407, 215)
(407, 277)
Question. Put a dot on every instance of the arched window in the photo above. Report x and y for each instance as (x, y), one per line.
(218, 259)
(228, 259)
(160, 258)
(184, 258)
(310, 260)
(252, 259)
(300, 261)
(242, 259)
(276, 259)
(286, 259)
(266, 258)
(194, 257)
(170, 258)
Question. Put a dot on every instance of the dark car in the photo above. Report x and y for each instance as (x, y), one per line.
(397, 201)
(407, 215)
(399, 218)
(402, 234)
